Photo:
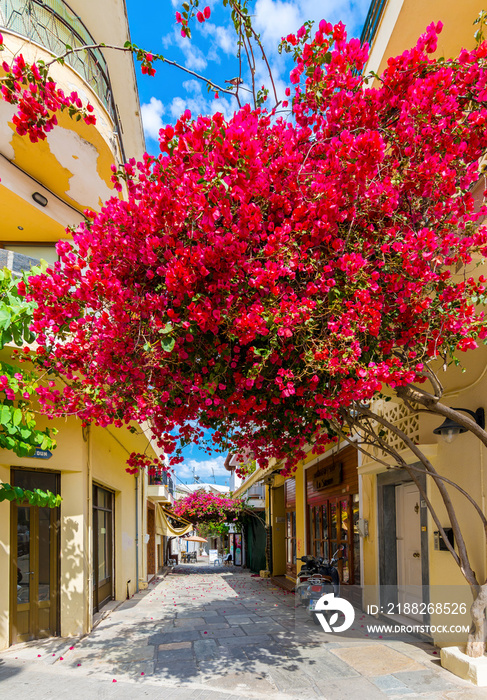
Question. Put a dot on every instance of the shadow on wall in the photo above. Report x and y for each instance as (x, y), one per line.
(72, 588)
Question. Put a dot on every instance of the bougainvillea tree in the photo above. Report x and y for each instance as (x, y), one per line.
(204, 507)
(268, 277)
(264, 273)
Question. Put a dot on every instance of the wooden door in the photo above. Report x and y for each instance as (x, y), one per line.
(408, 533)
(34, 610)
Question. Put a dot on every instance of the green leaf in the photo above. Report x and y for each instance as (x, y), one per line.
(5, 415)
(17, 416)
(168, 344)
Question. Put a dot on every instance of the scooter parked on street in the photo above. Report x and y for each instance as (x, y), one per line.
(309, 569)
(325, 580)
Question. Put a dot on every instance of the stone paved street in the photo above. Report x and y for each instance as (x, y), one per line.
(204, 632)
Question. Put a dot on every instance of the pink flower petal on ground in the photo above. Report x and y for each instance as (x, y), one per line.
(79, 664)
(38, 655)
(61, 658)
(114, 680)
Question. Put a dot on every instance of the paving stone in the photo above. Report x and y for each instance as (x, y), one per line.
(174, 645)
(205, 649)
(189, 622)
(239, 620)
(381, 661)
(349, 688)
(176, 655)
(258, 639)
(424, 681)
(174, 636)
(180, 670)
(242, 682)
(223, 633)
(215, 620)
(392, 686)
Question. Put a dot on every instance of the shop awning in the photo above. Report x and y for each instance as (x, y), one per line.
(169, 525)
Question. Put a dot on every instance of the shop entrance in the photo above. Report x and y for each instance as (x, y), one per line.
(333, 529)
(332, 517)
(34, 612)
(403, 545)
(102, 546)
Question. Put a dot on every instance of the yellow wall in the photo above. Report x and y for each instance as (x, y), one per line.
(97, 457)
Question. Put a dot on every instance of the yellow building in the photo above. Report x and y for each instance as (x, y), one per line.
(58, 567)
(406, 566)
(393, 563)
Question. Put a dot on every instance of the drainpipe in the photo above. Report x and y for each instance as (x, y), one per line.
(269, 532)
(136, 533)
(86, 435)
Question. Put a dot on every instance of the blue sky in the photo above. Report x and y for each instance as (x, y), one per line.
(211, 52)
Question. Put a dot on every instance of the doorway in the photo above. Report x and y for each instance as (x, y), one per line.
(34, 611)
(403, 545)
(408, 529)
(102, 547)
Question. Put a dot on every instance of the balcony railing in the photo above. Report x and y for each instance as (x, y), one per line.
(256, 491)
(53, 25)
(162, 480)
(372, 21)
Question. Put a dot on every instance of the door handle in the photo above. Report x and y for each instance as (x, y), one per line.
(30, 572)
(416, 554)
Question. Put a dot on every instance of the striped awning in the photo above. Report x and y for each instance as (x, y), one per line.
(169, 525)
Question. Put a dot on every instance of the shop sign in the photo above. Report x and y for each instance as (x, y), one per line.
(328, 476)
(42, 454)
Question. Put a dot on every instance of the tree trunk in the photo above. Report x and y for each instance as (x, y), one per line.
(476, 637)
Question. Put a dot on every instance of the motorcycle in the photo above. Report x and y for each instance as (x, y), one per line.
(325, 580)
(310, 568)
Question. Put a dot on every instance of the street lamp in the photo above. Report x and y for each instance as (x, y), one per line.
(450, 428)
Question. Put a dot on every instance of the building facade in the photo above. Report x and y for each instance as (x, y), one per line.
(393, 563)
(59, 567)
(407, 568)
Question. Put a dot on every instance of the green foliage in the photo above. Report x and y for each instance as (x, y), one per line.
(18, 430)
(37, 497)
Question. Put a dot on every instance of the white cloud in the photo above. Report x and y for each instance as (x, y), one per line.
(205, 468)
(200, 104)
(194, 58)
(193, 86)
(152, 117)
(276, 18)
(224, 38)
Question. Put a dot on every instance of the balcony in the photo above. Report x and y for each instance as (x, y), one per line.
(160, 488)
(256, 491)
(53, 25)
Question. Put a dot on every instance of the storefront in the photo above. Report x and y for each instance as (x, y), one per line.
(290, 530)
(34, 589)
(332, 504)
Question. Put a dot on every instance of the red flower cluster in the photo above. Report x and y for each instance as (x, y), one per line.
(38, 99)
(204, 507)
(137, 462)
(263, 274)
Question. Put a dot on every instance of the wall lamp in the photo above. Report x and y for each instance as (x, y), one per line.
(40, 199)
(450, 428)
